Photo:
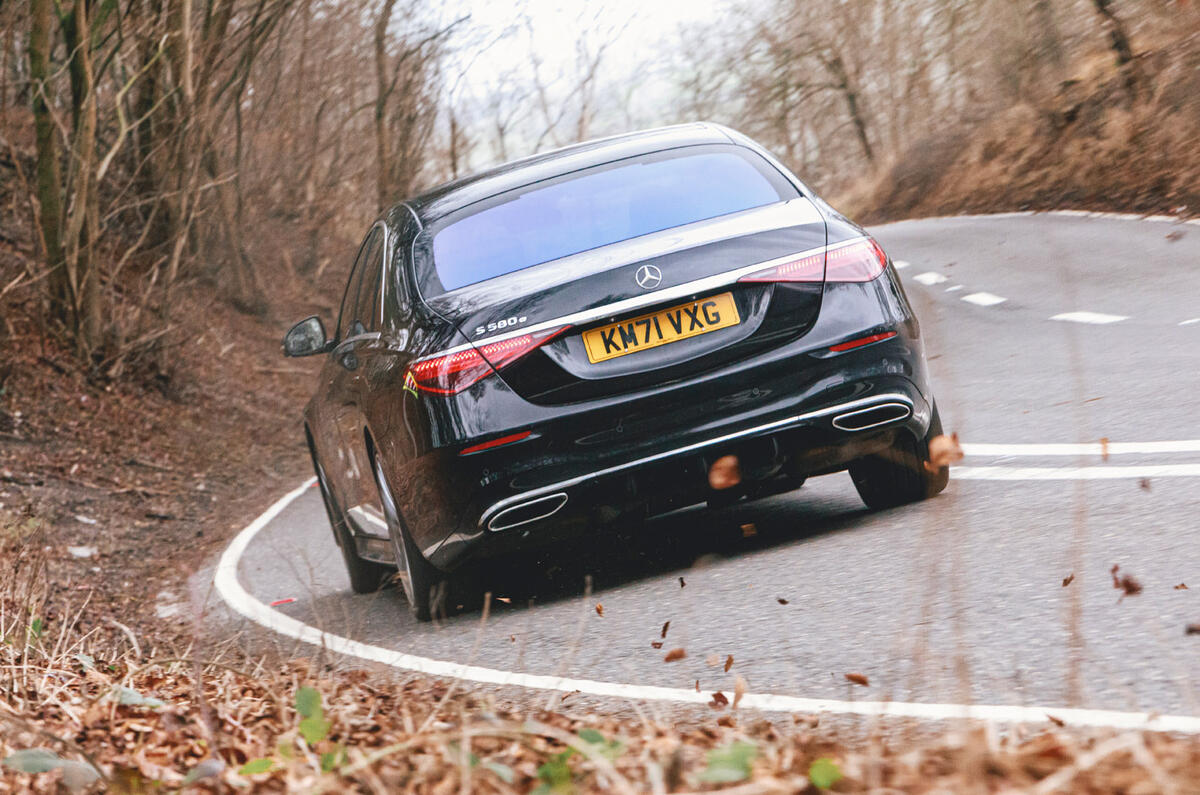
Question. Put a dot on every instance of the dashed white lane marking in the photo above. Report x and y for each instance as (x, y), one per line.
(1088, 448)
(1078, 473)
(930, 278)
(900, 264)
(984, 299)
(1097, 318)
(1191, 322)
(231, 590)
(954, 289)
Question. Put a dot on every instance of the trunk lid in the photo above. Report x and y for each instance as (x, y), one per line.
(642, 311)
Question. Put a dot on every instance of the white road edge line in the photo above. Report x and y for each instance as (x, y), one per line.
(1078, 473)
(1161, 219)
(1096, 318)
(1089, 448)
(1190, 322)
(226, 581)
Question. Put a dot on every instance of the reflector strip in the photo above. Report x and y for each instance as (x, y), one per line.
(503, 440)
(861, 341)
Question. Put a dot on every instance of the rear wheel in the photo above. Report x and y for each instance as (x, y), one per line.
(900, 474)
(425, 587)
(366, 576)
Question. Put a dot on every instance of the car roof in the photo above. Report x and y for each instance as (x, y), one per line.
(451, 196)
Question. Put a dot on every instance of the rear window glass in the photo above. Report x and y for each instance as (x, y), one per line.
(596, 207)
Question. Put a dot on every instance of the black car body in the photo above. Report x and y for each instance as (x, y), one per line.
(573, 339)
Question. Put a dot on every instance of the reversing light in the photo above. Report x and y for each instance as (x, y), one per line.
(453, 372)
(861, 341)
(503, 440)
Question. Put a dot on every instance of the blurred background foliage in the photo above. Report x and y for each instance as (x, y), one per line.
(150, 145)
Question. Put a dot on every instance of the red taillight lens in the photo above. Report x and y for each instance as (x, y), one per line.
(454, 372)
(805, 269)
(857, 262)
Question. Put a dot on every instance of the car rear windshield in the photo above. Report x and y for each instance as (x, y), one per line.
(596, 207)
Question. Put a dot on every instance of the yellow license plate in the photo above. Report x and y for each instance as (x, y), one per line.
(659, 328)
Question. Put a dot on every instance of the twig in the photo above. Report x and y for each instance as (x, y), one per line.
(1086, 761)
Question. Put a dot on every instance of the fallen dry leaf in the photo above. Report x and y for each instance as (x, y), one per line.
(599, 609)
(943, 451)
(697, 685)
(719, 700)
(727, 721)
(725, 473)
(675, 654)
(682, 583)
(858, 679)
(1125, 583)
(712, 660)
(749, 530)
(1174, 235)
(1145, 484)
(504, 599)
(1068, 580)
(1056, 721)
(1181, 586)
(1192, 629)
(739, 690)
(728, 663)
(657, 644)
(666, 626)
(781, 600)
(1103, 448)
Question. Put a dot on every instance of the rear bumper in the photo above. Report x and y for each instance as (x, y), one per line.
(848, 418)
(815, 438)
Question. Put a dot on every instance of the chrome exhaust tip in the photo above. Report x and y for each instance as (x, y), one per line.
(872, 417)
(526, 512)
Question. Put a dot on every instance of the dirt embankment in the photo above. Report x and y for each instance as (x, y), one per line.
(1106, 139)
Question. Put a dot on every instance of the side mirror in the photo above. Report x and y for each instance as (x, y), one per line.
(306, 338)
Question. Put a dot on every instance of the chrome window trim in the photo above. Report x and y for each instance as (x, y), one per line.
(678, 292)
(841, 408)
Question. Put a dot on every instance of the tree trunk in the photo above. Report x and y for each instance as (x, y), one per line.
(837, 69)
(48, 177)
(383, 153)
(1118, 36)
(83, 226)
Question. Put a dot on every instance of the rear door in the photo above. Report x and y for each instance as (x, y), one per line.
(359, 340)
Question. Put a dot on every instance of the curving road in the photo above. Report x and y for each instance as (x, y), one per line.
(1043, 330)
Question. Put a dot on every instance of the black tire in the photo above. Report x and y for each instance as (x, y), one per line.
(899, 475)
(366, 576)
(425, 587)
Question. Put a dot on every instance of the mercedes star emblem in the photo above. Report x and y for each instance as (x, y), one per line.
(648, 277)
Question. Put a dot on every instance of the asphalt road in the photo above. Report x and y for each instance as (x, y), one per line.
(959, 599)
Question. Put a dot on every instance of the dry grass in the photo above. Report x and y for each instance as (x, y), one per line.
(1090, 144)
(115, 716)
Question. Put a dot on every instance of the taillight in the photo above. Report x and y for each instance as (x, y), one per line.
(805, 269)
(454, 372)
(857, 262)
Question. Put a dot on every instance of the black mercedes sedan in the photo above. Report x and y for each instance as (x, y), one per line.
(587, 337)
